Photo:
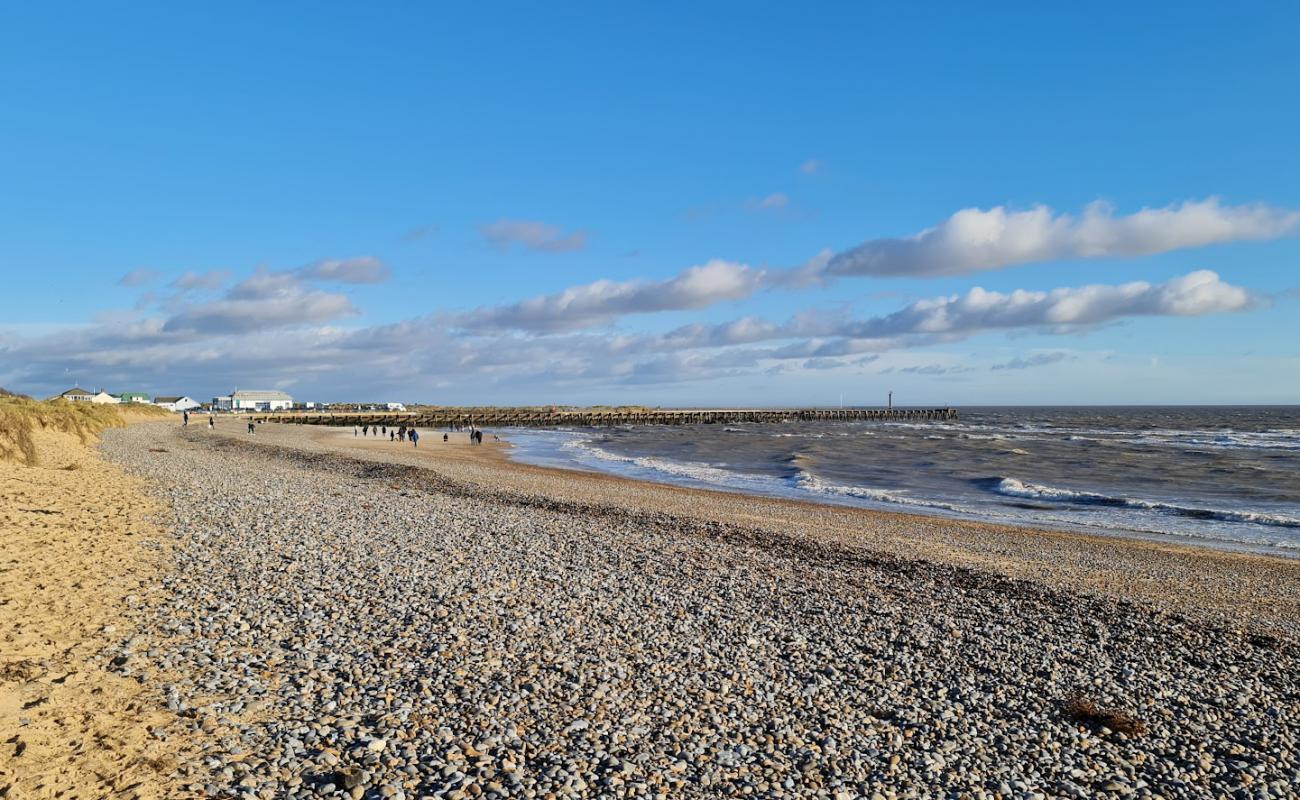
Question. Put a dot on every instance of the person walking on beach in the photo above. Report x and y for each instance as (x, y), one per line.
(444, 437)
(392, 436)
(185, 418)
(212, 422)
(415, 438)
(252, 428)
(356, 430)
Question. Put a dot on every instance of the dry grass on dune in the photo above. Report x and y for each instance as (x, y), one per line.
(21, 416)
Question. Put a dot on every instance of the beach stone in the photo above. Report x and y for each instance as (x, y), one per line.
(375, 628)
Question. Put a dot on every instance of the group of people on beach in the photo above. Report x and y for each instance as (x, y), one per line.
(404, 434)
(401, 434)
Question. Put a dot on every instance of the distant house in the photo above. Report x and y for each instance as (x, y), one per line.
(133, 397)
(395, 406)
(260, 400)
(223, 403)
(181, 403)
(76, 395)
(104, 398)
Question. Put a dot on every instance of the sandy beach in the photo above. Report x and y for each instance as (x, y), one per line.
(339, 617)
(79, 566)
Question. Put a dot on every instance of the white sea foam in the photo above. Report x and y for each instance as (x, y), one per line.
(694, 471)
(811, 483)
(1016, 488)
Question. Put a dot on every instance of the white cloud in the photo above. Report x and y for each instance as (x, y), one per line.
(228, 316)
(1034, 360)
(974, 239)
(950, 318)
(1194, 294)
(532, 235)
(138, 277)
(929, 369)
(774, 201)
(260, 302)
(363, 269)
(812, 166)
(600, 302)
(967, 241)
(210, 280)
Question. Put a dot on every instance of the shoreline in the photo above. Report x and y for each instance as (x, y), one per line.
(1235, 588)
(936, 511)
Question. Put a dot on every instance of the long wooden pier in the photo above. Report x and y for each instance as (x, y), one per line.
(586, 418)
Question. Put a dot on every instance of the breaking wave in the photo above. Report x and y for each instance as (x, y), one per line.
(812, 483)
(1012, 487)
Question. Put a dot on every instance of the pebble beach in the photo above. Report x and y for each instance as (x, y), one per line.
(339, 619)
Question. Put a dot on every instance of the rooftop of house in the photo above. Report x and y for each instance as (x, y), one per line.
(261, 394)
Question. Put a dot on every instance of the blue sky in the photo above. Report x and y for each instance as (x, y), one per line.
(450, 163)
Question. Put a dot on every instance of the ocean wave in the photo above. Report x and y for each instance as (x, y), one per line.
(1012, 487)
(704, 473)
(811, 483)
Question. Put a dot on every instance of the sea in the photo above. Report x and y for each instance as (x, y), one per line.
(1226, 477)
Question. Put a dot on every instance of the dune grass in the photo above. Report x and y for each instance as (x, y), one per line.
(21, 417)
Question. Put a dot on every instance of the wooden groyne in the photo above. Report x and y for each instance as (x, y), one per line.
(587, 418)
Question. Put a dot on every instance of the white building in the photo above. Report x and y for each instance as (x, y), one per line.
(102, 397)
(76, 395)
(260, 400)
(395, 406)
(223, 403)
(176, 403)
